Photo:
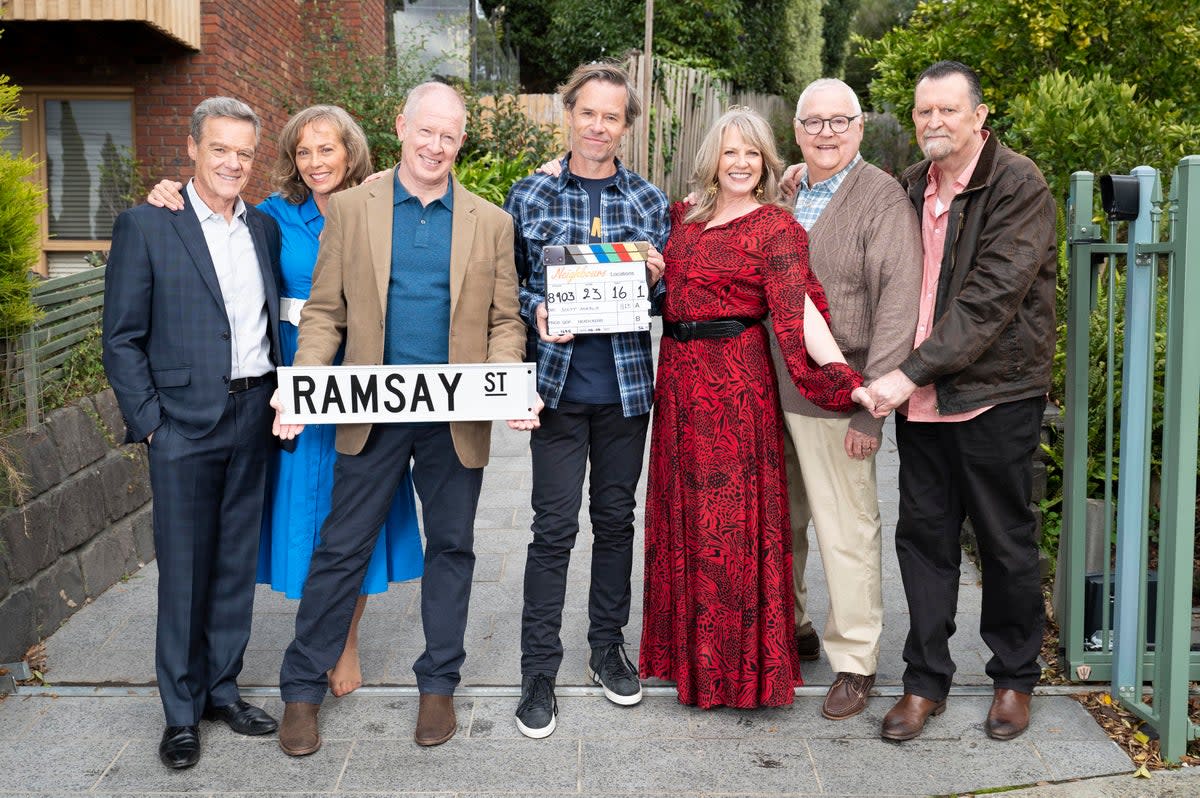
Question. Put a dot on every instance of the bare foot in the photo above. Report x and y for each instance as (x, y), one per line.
(346, 676)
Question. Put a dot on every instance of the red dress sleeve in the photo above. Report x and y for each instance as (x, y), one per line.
(787, 278)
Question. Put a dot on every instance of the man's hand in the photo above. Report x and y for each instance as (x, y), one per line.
(166, 194)
(542, 321)
(860, 445)
(655, 265)
(285, 432)
(890, 391)
(791, 180)
(529, 424)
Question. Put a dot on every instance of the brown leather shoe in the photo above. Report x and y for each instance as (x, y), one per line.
(847, 696)
(298, 735)
(907, 719)
(1009, 715)
(435, 719)
(808, 646)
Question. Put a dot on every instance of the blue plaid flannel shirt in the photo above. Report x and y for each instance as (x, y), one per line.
(554, 210)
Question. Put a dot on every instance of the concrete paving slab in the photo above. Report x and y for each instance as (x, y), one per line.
(694, 766)
(923, 766)
(465, 765)
(64, 765)
(228, 764)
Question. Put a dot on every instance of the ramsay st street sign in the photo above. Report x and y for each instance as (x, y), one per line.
(383, 394)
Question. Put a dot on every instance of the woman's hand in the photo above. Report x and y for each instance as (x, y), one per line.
(864, 398)
(166, 195)
(791, 180)
(655, 265)
(552, 168)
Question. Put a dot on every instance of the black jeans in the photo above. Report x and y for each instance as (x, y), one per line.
(562, 447)
(363, 487)
(982, 469)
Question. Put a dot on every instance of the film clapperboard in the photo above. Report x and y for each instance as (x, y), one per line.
(597, 288)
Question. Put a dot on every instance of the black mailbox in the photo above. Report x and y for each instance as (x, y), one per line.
(1119, 196)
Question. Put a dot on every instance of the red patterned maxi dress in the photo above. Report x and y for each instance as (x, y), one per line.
(718, 598)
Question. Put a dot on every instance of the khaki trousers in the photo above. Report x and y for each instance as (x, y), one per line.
(839, 495)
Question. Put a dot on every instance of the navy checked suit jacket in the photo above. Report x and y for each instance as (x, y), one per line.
(166, 334)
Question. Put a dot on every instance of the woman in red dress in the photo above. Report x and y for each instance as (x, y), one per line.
(718, 596)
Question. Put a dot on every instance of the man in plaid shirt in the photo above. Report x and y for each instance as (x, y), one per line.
(598, 390)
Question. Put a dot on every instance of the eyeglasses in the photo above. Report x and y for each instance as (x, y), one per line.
(838, 124)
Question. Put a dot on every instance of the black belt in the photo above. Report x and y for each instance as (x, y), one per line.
(684, 331)
(246, 383)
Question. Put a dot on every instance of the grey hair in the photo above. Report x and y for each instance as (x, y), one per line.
(945, 69)
(828, 83)
(216, 107)
(420, 91)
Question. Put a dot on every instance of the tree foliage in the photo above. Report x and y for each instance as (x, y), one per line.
(761, 45)
(1099, 124)
(1153, 45)
(836, 18)
(21, 202)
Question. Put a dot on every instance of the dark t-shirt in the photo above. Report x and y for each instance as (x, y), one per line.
(592, 373)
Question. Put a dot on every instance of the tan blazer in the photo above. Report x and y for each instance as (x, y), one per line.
(348, 300)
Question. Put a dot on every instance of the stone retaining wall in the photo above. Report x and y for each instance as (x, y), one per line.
(80, 523)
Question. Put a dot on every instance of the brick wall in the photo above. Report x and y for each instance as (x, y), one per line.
(255, 50)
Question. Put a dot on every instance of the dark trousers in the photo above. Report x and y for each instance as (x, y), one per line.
(363, 487)
(982, 469)
(208, 505)
(562, 447)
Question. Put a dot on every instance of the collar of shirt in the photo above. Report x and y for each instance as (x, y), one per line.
(401, 194)
(308, 209)
(620, 180)
(203, 212)
(963, 177)
(812, 200)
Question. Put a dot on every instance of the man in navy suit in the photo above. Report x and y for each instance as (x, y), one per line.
(191, 320)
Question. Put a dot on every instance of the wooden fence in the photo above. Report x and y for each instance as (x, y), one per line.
(685, 103)
(72, 308)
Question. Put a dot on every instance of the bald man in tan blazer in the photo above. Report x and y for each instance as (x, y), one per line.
(412, 269)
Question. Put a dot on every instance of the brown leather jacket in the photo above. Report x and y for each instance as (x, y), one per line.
(994, 326)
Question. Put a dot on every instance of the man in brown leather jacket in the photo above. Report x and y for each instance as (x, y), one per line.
(970, 399)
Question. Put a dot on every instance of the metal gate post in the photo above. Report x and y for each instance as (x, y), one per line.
(1133, 477)
(1181, 408)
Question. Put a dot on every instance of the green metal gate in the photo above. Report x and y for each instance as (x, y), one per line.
(1145, 636)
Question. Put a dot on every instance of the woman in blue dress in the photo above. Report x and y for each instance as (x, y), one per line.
(321, 150)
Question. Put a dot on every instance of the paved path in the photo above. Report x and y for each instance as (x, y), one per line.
(95, 731)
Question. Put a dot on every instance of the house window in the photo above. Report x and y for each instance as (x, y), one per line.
(83, 141)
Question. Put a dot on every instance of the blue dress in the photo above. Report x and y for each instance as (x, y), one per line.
(301, 482)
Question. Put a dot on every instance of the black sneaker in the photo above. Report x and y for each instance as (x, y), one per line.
(538, 707)
(610, 668)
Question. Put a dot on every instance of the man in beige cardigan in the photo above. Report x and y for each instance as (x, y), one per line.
(865, 247)
(412, 269)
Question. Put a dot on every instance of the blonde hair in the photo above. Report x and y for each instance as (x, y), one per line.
(284, 174)
(757, 133)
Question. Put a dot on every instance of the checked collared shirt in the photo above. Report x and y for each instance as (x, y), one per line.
(554, 211)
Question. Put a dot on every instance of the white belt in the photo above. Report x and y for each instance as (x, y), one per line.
(289, 309)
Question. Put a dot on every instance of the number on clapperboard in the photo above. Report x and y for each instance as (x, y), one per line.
(560, 296)
(590, 292)
(619, 292)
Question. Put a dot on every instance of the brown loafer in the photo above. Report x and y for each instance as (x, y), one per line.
(808, 646)
(298, 735)
(1009, 715)
(848, 695)
(435, 719)
(907, 719)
